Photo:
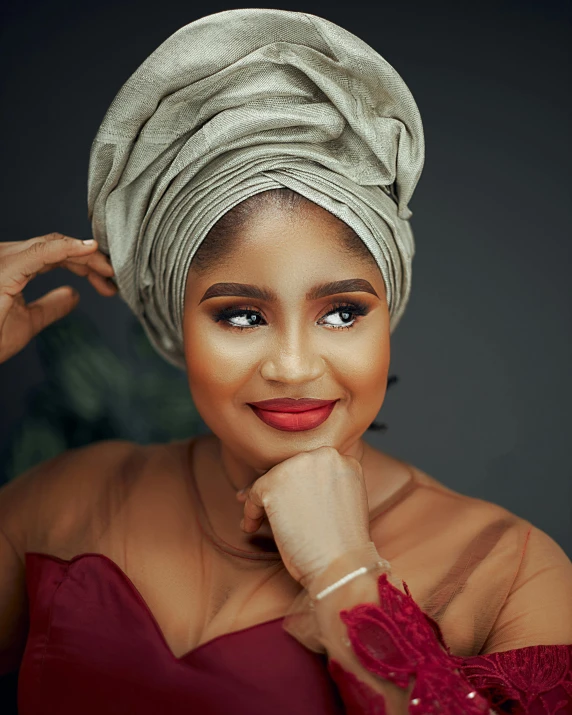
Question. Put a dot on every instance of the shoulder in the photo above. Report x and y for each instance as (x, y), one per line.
(543, 559)
(59, 488)
(421, 499)
(459, 506)
(475, 562)
(536, 548)
(537, 608)
(459, 531)
(534, 569)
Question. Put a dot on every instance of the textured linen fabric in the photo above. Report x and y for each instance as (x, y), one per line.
(234, 104)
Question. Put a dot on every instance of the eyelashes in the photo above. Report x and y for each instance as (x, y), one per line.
(356, 309)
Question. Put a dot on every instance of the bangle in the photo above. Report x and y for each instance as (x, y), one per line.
(341, 582)
(301, 618)
(381, 563)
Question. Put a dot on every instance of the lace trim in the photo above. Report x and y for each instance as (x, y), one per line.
(535, 679)
(397, 641)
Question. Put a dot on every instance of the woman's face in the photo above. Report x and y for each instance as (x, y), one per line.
(286, 342)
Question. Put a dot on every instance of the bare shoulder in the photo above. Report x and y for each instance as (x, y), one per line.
(71, 479)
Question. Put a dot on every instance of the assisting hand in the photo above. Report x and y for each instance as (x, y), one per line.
(20, 261)
(316, 503)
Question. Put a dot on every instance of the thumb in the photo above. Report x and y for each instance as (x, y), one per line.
(51, 307)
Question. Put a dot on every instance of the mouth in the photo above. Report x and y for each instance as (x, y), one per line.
(293, 415)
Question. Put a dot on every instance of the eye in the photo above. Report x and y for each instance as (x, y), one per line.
(241, 318)
(345, 314)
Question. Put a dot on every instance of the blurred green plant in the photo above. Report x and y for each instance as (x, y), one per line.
(91, 394)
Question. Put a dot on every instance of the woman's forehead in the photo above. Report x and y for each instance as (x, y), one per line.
(282, 252)
(286, 237)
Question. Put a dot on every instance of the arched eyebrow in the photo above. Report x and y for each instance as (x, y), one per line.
(245, 290)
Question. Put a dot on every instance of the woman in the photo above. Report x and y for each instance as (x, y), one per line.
(248, 192)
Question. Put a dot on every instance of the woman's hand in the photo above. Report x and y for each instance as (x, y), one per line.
(20, 261)
(316, 503)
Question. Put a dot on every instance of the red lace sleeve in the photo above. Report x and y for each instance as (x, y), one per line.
(535, 680)
(395, 641)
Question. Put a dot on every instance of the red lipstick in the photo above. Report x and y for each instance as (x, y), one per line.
(293, 415)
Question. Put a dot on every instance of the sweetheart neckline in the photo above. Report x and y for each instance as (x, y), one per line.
(129, 584)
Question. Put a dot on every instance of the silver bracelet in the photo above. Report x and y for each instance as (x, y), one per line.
(382, 563)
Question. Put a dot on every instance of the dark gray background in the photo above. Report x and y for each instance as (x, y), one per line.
(483, 352)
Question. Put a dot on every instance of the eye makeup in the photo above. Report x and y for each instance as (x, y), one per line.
(355, 308)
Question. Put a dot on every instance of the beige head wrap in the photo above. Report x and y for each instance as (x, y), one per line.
(234, 104)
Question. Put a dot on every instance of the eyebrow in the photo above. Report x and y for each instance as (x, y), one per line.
(245, 290)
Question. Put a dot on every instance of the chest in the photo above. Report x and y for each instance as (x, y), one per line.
(94, 647)
(217, 597)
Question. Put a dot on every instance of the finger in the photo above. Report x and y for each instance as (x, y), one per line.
(102, 285)
(82, 265)
(21, 267)
(254, 512)
(51, 307)
(6, 302)
(101, 263)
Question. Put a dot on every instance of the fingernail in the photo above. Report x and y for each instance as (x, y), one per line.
(88, 242)
(242, 524)
(240, 492)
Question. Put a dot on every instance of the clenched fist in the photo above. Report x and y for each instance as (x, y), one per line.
(316, 503)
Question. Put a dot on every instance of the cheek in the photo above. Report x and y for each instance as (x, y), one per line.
(216, 364)
(364, 370)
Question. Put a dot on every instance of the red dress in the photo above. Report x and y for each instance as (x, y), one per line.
(94, 647)
(124, 574)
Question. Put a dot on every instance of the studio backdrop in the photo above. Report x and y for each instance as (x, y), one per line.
(481, 383)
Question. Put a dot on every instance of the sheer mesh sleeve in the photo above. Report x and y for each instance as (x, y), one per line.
(41, 508)
(387, 656)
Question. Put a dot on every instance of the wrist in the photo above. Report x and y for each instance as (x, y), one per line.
(343, 584)
(343, 569)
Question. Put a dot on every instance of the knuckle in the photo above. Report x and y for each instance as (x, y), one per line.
(327, 449)
(252, 511)
(36, 247)
(328, 454)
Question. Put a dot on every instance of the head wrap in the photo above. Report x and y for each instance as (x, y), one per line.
(237, 103)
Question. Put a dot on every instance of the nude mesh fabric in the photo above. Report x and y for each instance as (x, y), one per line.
(491, 580)
(234, 104)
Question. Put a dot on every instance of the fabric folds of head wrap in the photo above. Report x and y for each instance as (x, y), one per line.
(233, 104)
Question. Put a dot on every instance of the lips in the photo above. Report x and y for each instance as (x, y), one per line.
(293, 415)
(290, 405)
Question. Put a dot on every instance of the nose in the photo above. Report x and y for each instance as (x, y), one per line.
(292, 360)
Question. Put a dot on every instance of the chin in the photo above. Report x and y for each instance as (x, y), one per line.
(285, 445)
